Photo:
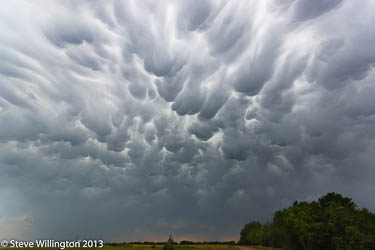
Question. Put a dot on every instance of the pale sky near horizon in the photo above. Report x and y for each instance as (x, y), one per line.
(134, 120)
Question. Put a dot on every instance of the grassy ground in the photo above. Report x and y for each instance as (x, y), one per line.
(268, 248)
(177, 247)
(185, 247)
(143, 247)
(256, 248)
(157, 247)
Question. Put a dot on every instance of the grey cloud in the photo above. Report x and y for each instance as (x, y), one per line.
(215, 100)
(202, 131)
(275, 95)
(189, 103)
(227, 30)
(194, 13)
(101, 127)
(83, 59)
(138, 83)
(349, 63)
(170, 87)
(62, 34)
(118, 138)
(252, 75)
(236, 145)
(305, 10)
(180, 117)
(191, 98)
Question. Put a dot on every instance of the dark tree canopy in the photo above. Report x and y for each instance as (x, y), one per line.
(334, 222)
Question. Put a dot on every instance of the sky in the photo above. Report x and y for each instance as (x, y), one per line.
(134, 120)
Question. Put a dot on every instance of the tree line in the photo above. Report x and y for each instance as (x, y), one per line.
(332, 222)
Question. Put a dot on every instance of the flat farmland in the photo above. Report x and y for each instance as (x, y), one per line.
(157, 247)
(177, 247)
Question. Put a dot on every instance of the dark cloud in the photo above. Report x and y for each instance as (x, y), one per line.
(193, 14)
(135, 120)
(305, 9)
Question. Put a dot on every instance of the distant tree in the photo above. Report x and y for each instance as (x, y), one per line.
(170, 244)
(231, 242)
(186, 242)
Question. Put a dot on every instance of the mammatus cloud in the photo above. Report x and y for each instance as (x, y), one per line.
(133, 120)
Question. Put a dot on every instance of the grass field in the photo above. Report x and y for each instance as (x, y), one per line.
(150, 247)
(177, 247)
(132, 246)
(187, 247)
(143, 247)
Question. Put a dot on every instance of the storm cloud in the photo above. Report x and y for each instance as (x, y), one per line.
(132, 120)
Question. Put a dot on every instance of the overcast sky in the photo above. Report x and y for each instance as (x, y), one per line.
(133, 120)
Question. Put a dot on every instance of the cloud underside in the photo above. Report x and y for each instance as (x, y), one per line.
(133, 120)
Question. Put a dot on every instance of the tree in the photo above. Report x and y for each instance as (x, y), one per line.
(336, 200)
(333, 222)
(170, 244)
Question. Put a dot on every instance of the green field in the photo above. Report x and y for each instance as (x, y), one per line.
(177, 247)
(142, 247)
(150, 247)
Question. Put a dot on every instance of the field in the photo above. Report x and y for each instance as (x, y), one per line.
(159, 247)
(193, 247)
(177, 247)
